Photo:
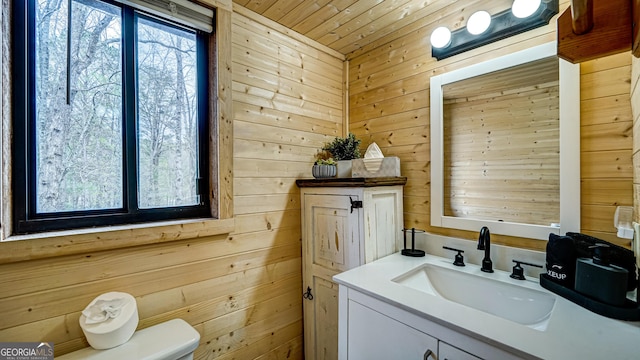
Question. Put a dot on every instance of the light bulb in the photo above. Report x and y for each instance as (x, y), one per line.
(440, 37)
(524, 8)
(478, 22)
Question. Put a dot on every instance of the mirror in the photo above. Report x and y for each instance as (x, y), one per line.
(505, 145)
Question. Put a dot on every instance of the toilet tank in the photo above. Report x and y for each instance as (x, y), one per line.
(171, 340)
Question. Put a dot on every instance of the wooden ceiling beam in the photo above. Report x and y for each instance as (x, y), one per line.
(581, 16)
(610, 34)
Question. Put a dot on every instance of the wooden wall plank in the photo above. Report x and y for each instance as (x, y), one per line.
(606, 164)
(613, 81)
(274, 220)
(266, 186)
(271, 63)
(272, 168)
(613, 192)
(264, 40)
(258, 132)
(267, 203)
(292, 349)
(273, 100)
(605, 110)
(409, 102)
(393, 90)
(268, 150)
(263, 79)
(277, 340)
(230, 332)
(610, 136)
(261, 115)
(224, 109)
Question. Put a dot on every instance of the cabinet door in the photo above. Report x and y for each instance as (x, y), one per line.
(331, 232)
(448, 352)
(372, 335)
(330, 245)
(383, 222)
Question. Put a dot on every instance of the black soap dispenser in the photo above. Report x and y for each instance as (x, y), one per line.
(598, 279)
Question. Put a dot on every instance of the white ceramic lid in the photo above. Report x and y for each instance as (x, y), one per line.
(169, 340)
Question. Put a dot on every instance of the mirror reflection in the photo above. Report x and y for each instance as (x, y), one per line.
(502, 143)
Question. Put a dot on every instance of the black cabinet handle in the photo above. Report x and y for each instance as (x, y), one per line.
(430, 354)
(308, 295)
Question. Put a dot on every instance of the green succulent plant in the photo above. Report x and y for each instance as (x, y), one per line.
(344, 148)
(328, 161)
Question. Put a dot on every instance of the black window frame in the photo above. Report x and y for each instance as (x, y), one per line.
(25, 218)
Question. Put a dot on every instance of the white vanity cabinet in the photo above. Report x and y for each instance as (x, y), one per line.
(373, 335)
(346, 222)
(372, 329)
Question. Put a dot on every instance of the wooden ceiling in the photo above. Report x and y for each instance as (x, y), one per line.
(349, 25)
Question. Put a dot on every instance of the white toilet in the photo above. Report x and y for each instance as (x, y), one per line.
(171, 340)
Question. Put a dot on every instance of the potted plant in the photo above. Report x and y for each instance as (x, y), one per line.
(343, 150)
(324, 167)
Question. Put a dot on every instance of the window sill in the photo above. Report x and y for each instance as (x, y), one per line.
(70, 242)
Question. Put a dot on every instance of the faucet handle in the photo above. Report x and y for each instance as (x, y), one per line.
(459, 259)
(518, 272)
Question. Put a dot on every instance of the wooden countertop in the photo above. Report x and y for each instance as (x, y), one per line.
(352, 182)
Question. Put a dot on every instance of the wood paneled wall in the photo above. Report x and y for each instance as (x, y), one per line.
(241, 291)
(389, 105)
(606, 143)
(287, 100)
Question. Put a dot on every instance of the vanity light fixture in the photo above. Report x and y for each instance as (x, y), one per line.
(441, 37)
(478, 22)
(524, 8)
(483, 29)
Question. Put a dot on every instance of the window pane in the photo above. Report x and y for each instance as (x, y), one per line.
(167, 116)
(79, 136)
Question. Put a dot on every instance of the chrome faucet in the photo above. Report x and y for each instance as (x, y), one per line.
(484, 243)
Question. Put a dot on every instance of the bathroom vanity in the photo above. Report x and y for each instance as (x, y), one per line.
(408, 308)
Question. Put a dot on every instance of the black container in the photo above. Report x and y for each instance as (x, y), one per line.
(598, 279)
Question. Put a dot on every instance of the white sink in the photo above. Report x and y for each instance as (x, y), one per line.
(507, 299)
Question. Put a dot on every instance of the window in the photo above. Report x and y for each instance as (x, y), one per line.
(110, 116)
